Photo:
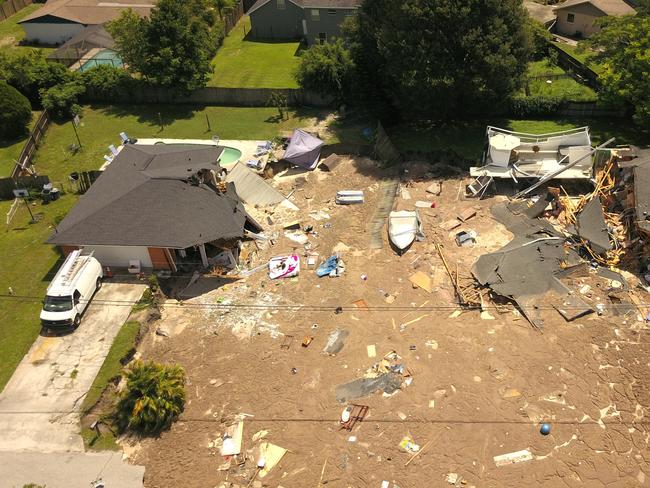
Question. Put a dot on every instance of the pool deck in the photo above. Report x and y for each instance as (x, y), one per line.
(247, 148)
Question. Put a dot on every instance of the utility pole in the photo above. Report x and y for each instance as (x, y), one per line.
(75, 122)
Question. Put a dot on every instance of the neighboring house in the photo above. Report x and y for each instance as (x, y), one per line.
(59, 20)
(159, 205)
(543, 14)
(578, 17)
(316, 21)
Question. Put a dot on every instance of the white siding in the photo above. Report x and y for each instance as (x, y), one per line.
(119, 256)
(50, 33)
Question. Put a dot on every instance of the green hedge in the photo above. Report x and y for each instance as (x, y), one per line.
(530, 107)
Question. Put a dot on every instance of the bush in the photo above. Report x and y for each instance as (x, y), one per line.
(153, 398)
(105, 81)
(524, 107)
(326, 69)
(61, 100)
(15, 111)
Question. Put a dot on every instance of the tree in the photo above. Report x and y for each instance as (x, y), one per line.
(29, 72)
(15, 111)
(223, 6)
(326, 69)
(540, 39)
(173, 47)
(61, 100)
(623, 49)
(444, 58)
(153, 398)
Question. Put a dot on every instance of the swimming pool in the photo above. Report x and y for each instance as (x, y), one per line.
(105, 56)
(230, 155)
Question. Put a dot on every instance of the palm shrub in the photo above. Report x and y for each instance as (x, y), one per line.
(153, 398)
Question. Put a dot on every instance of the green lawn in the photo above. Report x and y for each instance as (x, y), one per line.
(9, 150)
(102, 125)
(26, 266)
(581, 54)
(244, 63)
(567, 88)
(468, 139)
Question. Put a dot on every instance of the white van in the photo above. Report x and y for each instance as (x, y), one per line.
(71, 290)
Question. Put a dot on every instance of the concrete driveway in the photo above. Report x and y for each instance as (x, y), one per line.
(39, 407)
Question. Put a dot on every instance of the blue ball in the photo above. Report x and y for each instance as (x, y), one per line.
(545, 429)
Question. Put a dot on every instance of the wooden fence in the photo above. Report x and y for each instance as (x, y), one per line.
(10, 7)
(26, 155)
(577, 69)
(8, 185)
(232, 17)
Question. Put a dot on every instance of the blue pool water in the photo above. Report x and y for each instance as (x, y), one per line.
(105, 56)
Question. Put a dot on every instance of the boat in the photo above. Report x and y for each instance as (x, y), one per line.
(403, 228)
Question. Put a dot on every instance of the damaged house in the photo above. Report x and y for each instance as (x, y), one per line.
(155, 207)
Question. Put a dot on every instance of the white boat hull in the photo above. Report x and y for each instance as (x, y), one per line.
(403, 227)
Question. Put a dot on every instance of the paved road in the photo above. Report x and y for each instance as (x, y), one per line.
(39, 407)
(68, 470)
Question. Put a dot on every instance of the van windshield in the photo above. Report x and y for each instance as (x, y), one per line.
(57, 304)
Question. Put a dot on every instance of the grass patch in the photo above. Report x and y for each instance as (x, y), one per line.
(26, 266)
(565, 88)
(101, 126)
(245, 63)
(122, 345)
(543, 67)
(580, 54)
(467, 140)
(105, 442)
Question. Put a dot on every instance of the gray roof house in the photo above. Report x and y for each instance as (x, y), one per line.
(154, 204)
(578, 17)
(316, 21)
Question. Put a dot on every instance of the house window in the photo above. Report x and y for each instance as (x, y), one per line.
(331, 11)
(315, 14)
(281, 5)
(570, 18)
(322, 38)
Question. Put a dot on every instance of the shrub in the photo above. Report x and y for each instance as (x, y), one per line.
(524, 107)
(326, 69)
(105, 81)
(15, 111)
(61, 100)
(153, 398)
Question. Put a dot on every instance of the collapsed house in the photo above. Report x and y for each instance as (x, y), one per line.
(557, 236)
(156, 207)
(518, 155)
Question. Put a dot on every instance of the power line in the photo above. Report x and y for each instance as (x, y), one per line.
(310, 307)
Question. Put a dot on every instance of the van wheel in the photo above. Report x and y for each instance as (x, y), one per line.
(77, 321)
(98, 285)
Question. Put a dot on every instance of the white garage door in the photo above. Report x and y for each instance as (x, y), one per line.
(120, 256)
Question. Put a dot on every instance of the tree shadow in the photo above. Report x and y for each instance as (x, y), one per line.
(153, 114)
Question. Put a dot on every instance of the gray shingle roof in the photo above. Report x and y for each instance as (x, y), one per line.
(145, 198)
(609, 7)
(313, 4)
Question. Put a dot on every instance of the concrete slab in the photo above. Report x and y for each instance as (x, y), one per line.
(68, 470)
(39, 407)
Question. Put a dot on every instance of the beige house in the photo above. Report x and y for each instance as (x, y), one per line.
(578, 17)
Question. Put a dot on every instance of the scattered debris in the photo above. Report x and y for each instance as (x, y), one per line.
(513, 458)
(361, 304)
(424, 204)
(349, 197)
(466, 238)
(306, 341)
(421, 280)
(435, 188)
(299, 237)
(335, 342)
(353, 414)
(232, 439)
(272, 455)
(450, 224)
(332, 267)
(408, 444)
(466, 214)
(284, 266)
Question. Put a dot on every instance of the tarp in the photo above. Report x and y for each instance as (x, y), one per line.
(303, 150)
